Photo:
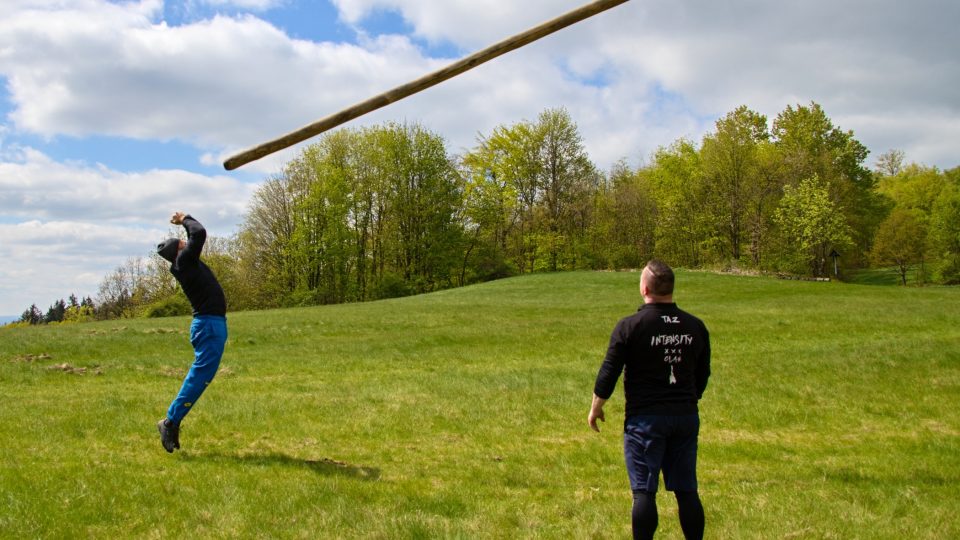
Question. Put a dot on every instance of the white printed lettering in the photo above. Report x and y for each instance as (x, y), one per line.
(671, 339)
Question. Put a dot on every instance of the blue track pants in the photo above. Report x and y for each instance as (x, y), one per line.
(208, 335)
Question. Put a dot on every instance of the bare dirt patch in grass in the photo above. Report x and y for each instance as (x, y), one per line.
(31, 357)
(75, 370)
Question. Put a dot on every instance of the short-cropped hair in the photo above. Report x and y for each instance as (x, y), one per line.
(660, 281)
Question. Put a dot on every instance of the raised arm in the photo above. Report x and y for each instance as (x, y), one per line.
(196, 237)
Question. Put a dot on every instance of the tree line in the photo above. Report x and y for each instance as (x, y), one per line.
(386, 211)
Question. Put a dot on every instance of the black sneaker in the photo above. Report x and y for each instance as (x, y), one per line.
(169, 434)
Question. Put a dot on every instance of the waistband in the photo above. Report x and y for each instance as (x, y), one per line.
(209, 318)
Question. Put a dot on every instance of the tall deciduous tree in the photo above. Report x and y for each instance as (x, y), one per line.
(489, 215)
(265, 242)
(545, 167)
(568, 181)
(360, 214)
(890, 163)
(945, 233)
(509, 156)
(624, 226)
(812, 224)
(732, 170)
(900, 241)
(810, 145)
(685, 233)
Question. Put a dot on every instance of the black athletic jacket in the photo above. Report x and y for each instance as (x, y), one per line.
(664, 354)
(198, 282)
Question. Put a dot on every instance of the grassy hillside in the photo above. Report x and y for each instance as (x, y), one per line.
(832, 413)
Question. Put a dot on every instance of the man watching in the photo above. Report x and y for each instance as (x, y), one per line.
(664, 354)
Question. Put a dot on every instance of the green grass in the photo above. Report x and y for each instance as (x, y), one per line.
(832, 413)
(880, 276)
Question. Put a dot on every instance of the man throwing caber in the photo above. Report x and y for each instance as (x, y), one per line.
(208, 332)
(664, 354)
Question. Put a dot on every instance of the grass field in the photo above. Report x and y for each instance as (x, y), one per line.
(879, 276)
(832, 413)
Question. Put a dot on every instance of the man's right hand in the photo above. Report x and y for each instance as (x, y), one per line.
(177, 218)
(596, 413)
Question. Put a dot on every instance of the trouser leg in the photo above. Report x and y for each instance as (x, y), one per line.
(644, 515)
(208, 338)
(692, 520)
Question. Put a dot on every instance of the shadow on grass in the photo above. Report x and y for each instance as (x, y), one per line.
(325, 466)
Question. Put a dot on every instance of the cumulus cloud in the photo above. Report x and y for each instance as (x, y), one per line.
(869, 64)
(48, 261)
(33, 186)
(109, 69)
(463, 22)
(228, 83)
(67, 225)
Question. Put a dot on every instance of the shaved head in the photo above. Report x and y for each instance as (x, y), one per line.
(658, 278)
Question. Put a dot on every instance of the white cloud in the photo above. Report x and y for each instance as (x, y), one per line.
(47, 261)
(863, 61)
(228, 83)
(67, 225)
(32, 186)
(219, 83)
(466, 23)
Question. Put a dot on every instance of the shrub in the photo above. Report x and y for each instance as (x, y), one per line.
(170, 306)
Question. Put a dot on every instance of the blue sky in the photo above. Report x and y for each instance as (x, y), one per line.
(113, 115)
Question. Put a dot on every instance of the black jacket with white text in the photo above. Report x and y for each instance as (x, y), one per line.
(664, 354)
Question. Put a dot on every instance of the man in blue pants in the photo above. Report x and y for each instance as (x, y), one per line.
(208, 332)
(663, 353)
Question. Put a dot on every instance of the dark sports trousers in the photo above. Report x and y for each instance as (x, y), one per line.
(208, 335)
(655, 442)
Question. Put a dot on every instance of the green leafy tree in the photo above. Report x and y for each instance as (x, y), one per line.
(353, 216)
(732, 170)
(945, 234)
(545, 167)
(79, 314)
(811, 224)
(321, 238)
(684, 232)
(265, 243)
(915, 187)
(810, 145)
(623, 229)
(568, 181)
(763, 198)
(426, 194)
(900, 241)
(509, 157)
(489, 212)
